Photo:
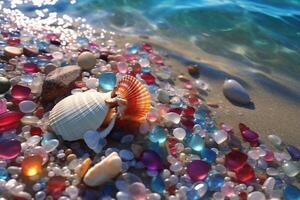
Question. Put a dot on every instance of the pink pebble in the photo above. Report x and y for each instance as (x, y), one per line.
(19, 92)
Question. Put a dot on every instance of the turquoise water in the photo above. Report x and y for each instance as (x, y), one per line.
(264, 34)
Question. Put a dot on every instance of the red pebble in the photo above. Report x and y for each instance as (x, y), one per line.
(9, 149)
(39, 112)
(148, 78)
(235, 160)
(188, 112)
(13, 41)
(30, 68)
(243, 127)
(194, 100)
(136, 68)
(245, 174)
(176, 110)
(9, 120)
(171, 144)
(188, 123)
(36, 131)
(19, 92)
(147, 47)
(56, 186)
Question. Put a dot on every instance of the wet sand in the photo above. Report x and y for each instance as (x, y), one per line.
(276, 99)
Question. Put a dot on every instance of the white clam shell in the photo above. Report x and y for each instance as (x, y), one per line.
(76, 114)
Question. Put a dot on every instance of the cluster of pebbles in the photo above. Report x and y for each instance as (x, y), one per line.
(179, 152)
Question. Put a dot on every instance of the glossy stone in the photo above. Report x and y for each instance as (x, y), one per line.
(30, 68)
(235, 160)
(86, 60)
(294, 152)
(3, 174)
(179, 133)
(32, 165)
(208, 155)
(291, 168)
(157, 184)
(9, 119)
(122, 67)
(56, 186)
(107, 81)
(148, 78)
(236, 92)
(137, 191)
(9, 149)
(27, 106)
(20, 92)
(291, 192)
(245, 174)
(151, 160)
(196, 142)
(256, 196)
(198, 170)
(4, 85)
(219, 136)
(215, 182)
(158, 134)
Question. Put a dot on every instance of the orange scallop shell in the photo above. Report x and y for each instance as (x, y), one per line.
(137, 96)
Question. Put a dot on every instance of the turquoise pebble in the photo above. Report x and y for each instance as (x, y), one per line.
(157, 184)
(158, 134)
(46, 137)
(3, 173)
(133, 48)
(208, 155)
(196, 142)
(291, 192)
(215, 182)
(107, 81)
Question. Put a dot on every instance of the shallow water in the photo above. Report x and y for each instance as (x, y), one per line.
(264, 34)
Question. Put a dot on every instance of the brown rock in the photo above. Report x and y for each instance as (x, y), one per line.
(30, 51)
(86, 60)
(10, 51)
(194, 71)
(49, 68)
(59, 82)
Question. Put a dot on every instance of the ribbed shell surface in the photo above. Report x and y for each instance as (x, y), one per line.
(78, 113)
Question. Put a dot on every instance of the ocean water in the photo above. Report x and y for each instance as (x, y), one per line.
(264, 34)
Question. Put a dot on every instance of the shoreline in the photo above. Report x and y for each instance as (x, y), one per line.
(276, 106)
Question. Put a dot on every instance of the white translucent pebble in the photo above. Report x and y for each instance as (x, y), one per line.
(153, 196)
(172, 117)
(27, 106)
(179, 133)
(33, 141)
(275, 140)
(176, 167)
(63, 198)
(173, 179)
(126, 155)
(218, 196)
(11, 184)
(201, 188)
(200, 84)
(18, 188)
(91, 83)
(272, 171)
(122, 196)
(253, 154)
(268, 185)
(172, 197)
(256, 196)
(165, 173)
(219, 136)
(291, 168)
(72, 191)
(30, 120)
(51, 145)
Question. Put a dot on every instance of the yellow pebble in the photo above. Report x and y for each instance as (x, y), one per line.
(83, 167)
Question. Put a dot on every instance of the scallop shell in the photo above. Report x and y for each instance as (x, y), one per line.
(76, 114)
(137, 96)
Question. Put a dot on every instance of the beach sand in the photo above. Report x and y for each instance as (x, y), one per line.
(276, 100)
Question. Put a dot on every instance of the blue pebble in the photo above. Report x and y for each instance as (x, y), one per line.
(133, 48)
(294, 152)
(158, 134)
(3, 174)
(42, 45)
(46, 137)
(157, 184)
(152, 88)
(107, 81)
(82, 40)
(146, 69)
(209, 155)
(192, 195)
(215, 182)
(291, 192)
